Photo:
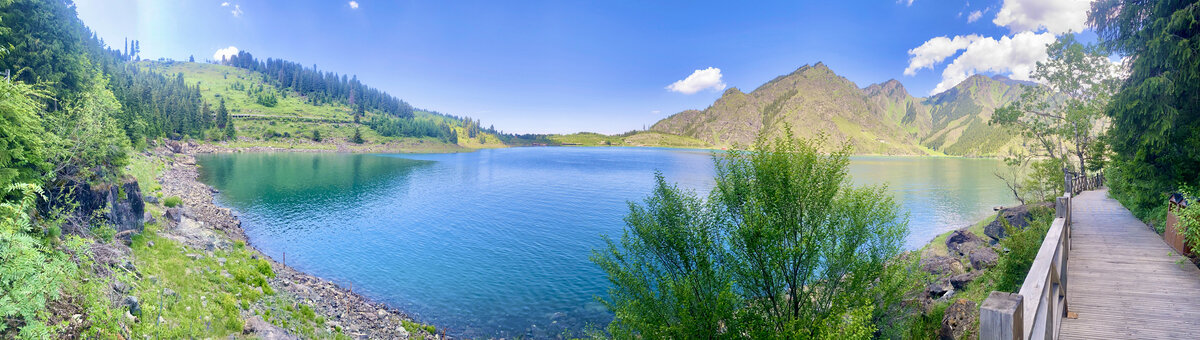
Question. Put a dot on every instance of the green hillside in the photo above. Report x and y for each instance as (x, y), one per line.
(292, 120)
(640, 138)
(879, 119)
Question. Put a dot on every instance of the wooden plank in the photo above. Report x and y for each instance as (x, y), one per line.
(1126, 283)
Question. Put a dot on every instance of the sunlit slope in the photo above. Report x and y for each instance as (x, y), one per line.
(879, 119)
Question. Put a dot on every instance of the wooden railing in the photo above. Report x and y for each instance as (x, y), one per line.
(1172, 232)
(1077, 184)
(1037, 310)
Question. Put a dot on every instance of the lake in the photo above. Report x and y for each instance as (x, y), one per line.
(496, 242)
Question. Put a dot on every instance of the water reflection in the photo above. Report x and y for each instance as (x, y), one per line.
(496, 242)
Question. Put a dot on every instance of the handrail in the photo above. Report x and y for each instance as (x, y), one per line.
(1036, 311)
(1077, 183)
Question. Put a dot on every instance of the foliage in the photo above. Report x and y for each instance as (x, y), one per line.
(22, 154)
(666, 273)
(1189, 219)
(387, 126)
(784, 247)
(1022, 247)
(173, 201)
(358, 138)
(322, 87)
(90, 143)
(1063, 115)
(31, 272)
(1155, 137)
(803, 242)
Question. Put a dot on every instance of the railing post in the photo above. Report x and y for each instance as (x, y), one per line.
(1001, 317)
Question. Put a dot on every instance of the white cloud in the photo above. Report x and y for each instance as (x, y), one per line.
(935, 50)
(974, 16)
(237, 10)
(905, 2)
(709, 78)
(655, 112)
(224, 4)
(225, 53)
(1055, 16)
(1016, 56)
(354, 4)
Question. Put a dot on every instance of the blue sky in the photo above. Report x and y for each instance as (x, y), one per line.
(603, 66)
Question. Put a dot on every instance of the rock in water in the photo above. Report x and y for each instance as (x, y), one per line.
(958, 320)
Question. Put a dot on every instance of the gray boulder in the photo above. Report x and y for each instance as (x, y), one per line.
(173, 214)
(126, 208)
(962, 242)
(960, 281)
(958, 320)
(134, 307)
(1017, 217)
(983, 258)
(941, 266)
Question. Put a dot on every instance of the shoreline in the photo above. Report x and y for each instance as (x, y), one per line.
(358, 315)
(355, 314)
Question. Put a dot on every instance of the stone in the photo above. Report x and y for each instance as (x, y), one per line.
(167, 292)
(941, 266)
(983, 258)
(120, 287)
(938, 288)
(1017, 217)
(173, 214)
(958, 320)
(960, 281)
(402, 332)
(147, 217)
(132, 302)
(151, 199)
(121, 202)
(962, 242)
(126, 208)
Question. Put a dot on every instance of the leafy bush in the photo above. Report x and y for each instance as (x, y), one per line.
(31, 274)
(173, 201)
(1189, 220)
(784, 247)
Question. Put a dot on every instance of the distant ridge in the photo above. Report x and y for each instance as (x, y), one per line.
(881, 118)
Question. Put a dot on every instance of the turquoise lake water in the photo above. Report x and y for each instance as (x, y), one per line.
(496, 242)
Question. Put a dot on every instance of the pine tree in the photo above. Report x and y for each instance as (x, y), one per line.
(222, 114)
(358, 139)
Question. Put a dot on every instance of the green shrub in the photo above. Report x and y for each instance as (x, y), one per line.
(104, 232)
(785, 247)
(173, 201)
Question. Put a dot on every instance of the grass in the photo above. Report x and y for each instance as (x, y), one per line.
(173, 201)
(146, 171)
(643, 138)
(937, 247)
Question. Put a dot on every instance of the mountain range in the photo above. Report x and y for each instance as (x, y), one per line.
(877, 119)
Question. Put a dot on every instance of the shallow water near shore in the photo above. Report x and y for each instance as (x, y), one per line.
(495, 243)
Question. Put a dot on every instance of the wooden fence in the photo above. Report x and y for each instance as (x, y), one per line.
(1037, 310)
(1172, 232)
(1077, 184)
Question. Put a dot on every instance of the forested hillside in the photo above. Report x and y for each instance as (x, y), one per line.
(879, 119)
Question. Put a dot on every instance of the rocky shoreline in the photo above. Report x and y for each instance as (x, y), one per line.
(200, 223)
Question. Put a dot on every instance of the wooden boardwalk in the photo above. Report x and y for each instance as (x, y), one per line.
(1124, 282)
